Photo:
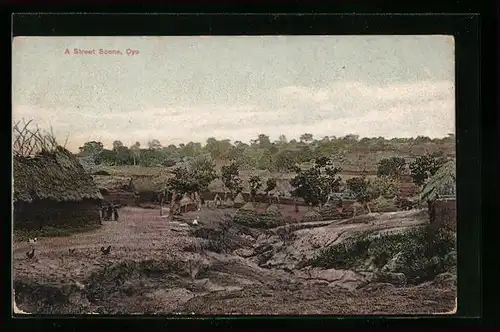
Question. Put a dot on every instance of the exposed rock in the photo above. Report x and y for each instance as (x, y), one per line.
(397, 279)
(395, 263)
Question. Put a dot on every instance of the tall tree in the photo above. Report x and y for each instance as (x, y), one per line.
(135, 151)
(117, 144)
(92, 148)
(393, 167)
(425, 166)
(230, 176)
(360, 189)
(255, 183)
(154, 144)
(316, 183)
(306, 138)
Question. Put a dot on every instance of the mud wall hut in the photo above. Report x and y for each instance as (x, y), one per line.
(117, 190)
(444, 213)
(53, 189)
(148, 187)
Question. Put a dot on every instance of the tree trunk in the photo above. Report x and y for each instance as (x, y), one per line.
(368, 207)
(161, 207)
(432, 211)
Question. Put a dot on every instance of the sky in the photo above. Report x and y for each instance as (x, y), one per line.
(180, 89)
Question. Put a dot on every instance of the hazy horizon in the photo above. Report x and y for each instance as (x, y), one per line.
(181, 89)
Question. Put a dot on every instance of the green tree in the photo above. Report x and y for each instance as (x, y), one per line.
(265, 161)
(285, 160)
(135, 152)
(270, 185)
(360, 189)
(393, 167)
(306, 138)
(116, 145)
(92, 148)
(425, 166)
(316, 183)
(263, 141)
(123, 156)
(384, 186)
(230, 176)
(106, 157)
(202, 169)
(255, 183)
(154, 144)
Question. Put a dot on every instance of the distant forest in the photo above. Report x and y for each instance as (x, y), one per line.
(279, 156)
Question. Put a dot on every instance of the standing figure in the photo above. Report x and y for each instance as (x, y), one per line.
(277, 195)
(109, 212)
(218, 201)
(115, 213)
(104, 213)
(173, 205)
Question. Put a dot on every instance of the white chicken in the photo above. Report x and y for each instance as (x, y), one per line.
(195, 221)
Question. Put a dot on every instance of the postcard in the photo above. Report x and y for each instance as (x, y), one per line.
(234, 175)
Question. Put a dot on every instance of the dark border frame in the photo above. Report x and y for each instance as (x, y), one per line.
(466, 29)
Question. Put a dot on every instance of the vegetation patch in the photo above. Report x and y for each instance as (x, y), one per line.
(254, 220)
(49, 231)
(420, 254)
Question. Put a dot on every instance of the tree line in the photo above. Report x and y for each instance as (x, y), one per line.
(261, 153)
(319, 182)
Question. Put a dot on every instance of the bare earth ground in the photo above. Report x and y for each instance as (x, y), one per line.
(156, 266)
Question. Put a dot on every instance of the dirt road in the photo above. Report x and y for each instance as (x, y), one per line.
(158, 266)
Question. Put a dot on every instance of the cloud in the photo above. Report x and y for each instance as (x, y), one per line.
(397, 110)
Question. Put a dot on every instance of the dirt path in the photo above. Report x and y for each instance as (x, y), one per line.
(153, 268)
(140, 234)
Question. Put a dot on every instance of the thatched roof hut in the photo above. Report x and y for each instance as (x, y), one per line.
(248, 207)
(229, 202)
(52, 188)
(187, 204)
(239, 201)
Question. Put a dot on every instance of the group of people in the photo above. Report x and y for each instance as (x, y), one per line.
(109, 212)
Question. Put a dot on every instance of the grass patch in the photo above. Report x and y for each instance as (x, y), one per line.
(254, 220)
(420, 254)
(49, 231)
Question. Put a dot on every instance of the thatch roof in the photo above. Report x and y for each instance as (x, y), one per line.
(229, 201)
(248, 207)
(239, 199)
(151, 183)
(186, 200)
(55, 175)
(111, 182)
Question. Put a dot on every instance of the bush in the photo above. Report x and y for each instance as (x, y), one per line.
(420, 254)
(311, 216)
(382, 204)
(101, 172)
(254, 220)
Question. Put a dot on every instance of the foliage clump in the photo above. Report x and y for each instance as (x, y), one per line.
(420, 254)
(261, 220)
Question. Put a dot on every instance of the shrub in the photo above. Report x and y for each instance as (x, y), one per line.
(254, 220)
(382, 204)
(420, 253)
(311, 216)
(101, 172)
